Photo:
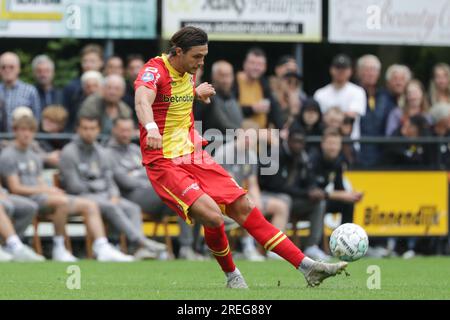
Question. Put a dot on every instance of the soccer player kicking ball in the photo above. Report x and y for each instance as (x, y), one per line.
(186, 178)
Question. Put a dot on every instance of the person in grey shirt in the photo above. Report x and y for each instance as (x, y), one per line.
(86, 169)
(22, 167)
(131, 178)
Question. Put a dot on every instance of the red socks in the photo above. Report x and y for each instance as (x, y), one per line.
(217, 241)
(271, 238)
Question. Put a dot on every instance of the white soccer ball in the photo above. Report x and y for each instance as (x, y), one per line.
(349, 242)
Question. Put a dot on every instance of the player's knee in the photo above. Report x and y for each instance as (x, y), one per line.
(213, 220)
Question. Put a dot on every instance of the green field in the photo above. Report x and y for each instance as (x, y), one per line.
(419, 278)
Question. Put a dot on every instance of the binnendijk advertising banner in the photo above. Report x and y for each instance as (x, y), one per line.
(402, 203)
(112, 19)
(410, 22)
(246, 20)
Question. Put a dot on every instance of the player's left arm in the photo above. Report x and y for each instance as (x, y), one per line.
(204, 92)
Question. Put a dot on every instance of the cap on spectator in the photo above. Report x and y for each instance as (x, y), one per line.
(439, 112)
(22, 111)
(341, 61)
(292, 74)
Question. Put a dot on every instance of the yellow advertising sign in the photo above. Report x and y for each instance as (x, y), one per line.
(402, 203)
(6, 13)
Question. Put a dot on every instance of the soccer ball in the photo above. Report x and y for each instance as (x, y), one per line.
(349, 242)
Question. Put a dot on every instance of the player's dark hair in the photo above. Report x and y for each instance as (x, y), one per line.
(256, 51)
(186, 38)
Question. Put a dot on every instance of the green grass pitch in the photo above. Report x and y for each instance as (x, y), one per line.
(418, 278)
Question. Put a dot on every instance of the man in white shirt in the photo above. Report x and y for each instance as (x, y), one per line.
(341, 93)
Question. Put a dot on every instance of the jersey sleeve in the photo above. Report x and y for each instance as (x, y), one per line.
(148, 76)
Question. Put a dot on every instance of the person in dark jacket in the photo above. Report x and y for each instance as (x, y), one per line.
(295, 178)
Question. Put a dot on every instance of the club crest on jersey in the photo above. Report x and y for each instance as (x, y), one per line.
(147, 77)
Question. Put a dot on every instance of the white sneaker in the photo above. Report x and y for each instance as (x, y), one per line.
(62, 255)
(5, 256)
(315, 253)
(145, 254)
(409, 254)
(26, 254)
(110, 254)
(235, 280)
(154, 245)
(253, 255)
(320, 271)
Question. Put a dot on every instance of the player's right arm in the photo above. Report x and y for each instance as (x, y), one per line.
(143, 104)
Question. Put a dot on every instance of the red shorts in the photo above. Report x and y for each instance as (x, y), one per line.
(181, 181)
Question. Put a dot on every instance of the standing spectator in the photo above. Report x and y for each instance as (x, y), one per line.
(135, 62)
(295, 178)
(285, 64)
(413, 102)
(86, 171)
(44, 73)
(328, 168)
(341, 93)
(15, 92)
(109, 106)
(397, 77)
(334, 118)
(291, 98)
(91, 60)
(253, 91)
(114, 65)
(378, 107)
(440, 84)
(410, 155)
(224, 111)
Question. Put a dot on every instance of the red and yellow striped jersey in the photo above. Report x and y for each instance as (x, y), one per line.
(172, 109)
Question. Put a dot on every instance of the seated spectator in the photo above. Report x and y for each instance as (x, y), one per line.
(20, 210)
(253, 91)
(54, 119)
(397, 77)
(86, 170)
(328, 167)
(440, 115)
(341, 93)
(239, 158)
(378, 107)
(224, 111)
(440, 84)
(44, 73)
(295, 179)
(135, 63)
(310, 120)
(22, 168)
(414, 102)
(410, 155)
(114, 65)
(109, 106)
(333, 118)
(15, 92)
(91, 83)
(74, 94)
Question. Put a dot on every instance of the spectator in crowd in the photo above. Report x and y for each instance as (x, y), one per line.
(239, 158)
(291, 98)
(22, 168)
(15, 92)
(414, 102)
(20, 210)
(44, 73)
(440, 84)
(253, 91)
(440, 115)
(129, 174)
(341, 93)
(295, 178)
(135, 62)
(378, 107)
(284, 65)
(74, 92)
(86, 170)
(310, 118)
(411, 155)
(328, 167)
(397, 77)
(114, 65)
(224, 111)
(108, 106)
(54, 119)
(3, 127)
(334, 118)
